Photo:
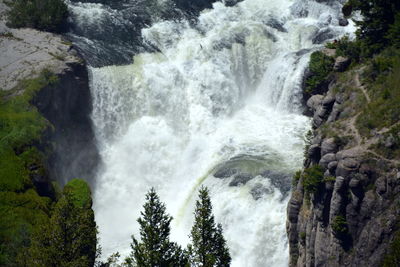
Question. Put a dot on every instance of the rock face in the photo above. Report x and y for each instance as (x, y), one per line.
(341, 64)
(26, 52)
(67, 106)
(353, 215)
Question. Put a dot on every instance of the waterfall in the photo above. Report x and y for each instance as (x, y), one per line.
(218, 103)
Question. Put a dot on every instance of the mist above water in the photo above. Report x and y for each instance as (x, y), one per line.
(218, 105)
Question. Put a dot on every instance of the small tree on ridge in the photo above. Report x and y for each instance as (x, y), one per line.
(208, 248)
(155, 248)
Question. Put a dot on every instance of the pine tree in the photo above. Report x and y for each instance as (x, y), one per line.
(223, 257)
(208, 246)
(69, 239)
(155, 248)
(378, 16)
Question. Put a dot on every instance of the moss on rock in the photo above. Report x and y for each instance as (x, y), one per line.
(22, 209)
(79, 192)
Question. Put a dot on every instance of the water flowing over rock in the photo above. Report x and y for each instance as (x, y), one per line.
(215, 101)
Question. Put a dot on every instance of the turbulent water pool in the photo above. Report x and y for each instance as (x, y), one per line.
(214, 101)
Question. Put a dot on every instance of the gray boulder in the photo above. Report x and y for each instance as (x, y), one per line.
(341, 64)
(343, 22)
(328, 146)
(332, 166)
(314, 101)
(326, 159)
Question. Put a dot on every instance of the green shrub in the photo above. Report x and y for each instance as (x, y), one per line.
(320, 67)
(392, 258)
(383, 87)
(21, 126)
(308, 140)
(47, 15)
(26, 217)
(378, 16)
(21, 208)
(331, 45)
(79, 193)
(313, 178)
(350, 49)
(303, 237)
(296, 178)
(342, 141)
(393, 151)
(394, 32)
(330, 179)
(339, 226)
(20, 214)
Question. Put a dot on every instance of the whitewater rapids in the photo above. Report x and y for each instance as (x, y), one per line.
(219, 105)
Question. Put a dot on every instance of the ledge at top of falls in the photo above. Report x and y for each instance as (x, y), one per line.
(25, 53)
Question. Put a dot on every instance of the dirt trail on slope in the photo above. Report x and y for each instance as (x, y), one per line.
(361, 142)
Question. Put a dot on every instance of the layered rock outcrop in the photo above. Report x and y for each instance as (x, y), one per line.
(352, 214)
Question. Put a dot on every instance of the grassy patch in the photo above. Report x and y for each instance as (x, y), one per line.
(389, 145)
(9, 35)
(320, 67)
(65, 42)
(384, 88)
(57, 56)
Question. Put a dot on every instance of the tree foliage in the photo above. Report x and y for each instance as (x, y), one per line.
(208, 246)
(47, 15)
(68, 239)
(374, 28)
(321, 66)
(155, 248)
(313, 177)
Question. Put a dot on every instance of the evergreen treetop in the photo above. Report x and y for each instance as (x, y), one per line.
(374, 28)
(208, 246)
(155, 248)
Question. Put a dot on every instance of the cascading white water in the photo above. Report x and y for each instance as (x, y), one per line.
(220, 97)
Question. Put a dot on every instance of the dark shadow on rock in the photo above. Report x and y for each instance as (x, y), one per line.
(67, 106)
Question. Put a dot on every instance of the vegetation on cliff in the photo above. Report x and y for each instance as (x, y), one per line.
(344, 208)
(22, 209)
(45, 15)
(33, 212)
(320, 67)
(69, 237)
(379, 25)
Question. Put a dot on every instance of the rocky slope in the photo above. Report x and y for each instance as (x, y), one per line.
(25, 54)
(344, 209)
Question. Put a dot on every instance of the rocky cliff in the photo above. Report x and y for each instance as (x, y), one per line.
(67, 106)
(344, 209)
(45, 136)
